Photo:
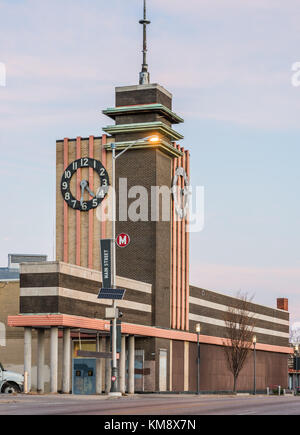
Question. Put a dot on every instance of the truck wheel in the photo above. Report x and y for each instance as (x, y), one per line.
(10, 388)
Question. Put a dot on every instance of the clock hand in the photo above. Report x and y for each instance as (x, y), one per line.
(83, 185)
(90, 192)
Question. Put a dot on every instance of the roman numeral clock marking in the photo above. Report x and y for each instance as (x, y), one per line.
(96, 198)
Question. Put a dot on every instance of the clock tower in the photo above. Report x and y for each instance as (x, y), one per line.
(158, 253)
(157, 345)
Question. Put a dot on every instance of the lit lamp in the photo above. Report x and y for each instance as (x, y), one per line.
(198, 330)
(254, 340)
(153, 139)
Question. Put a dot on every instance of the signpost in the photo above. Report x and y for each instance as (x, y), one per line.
(119, 335)
(109, 291)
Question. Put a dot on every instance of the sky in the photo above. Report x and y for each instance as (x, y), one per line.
(228, 64)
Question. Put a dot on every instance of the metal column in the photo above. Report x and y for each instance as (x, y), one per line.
(100, 347)
(123, 365)
(107, 368)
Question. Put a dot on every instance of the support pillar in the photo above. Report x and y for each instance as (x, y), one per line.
(131, 364)
(66, 374)
(100, 345)
(122, 365)
(27, 357)
(40, 360)
(107, 368)
(53, 358)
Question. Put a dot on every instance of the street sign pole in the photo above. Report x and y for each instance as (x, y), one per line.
(114, 377)
(114, 372)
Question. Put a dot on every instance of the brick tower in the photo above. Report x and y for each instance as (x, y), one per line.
(141, 111)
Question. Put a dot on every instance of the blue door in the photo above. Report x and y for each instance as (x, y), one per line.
(84, 376)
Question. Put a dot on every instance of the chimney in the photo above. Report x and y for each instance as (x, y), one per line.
(283, 304)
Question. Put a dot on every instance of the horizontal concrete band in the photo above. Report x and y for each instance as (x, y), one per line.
(63, 320)
(214, 315)
(229, 301)
(36, 283)
(218, 322)
(80, 272)
(113, 112)
(219, 315)
(81, 296)
(220, 331)
(224, 308)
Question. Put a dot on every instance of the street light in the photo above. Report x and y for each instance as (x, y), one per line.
(114, 371)
(254, 340)
(198, 330)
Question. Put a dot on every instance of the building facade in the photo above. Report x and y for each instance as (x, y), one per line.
(59, 311)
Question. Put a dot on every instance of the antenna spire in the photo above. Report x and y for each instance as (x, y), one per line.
(144, 74)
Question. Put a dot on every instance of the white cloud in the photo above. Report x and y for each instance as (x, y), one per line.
(239, 72)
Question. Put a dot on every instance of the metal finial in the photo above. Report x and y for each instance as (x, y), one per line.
(144, 74)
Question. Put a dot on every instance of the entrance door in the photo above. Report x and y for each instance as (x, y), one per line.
(162, 370)
(84, 376)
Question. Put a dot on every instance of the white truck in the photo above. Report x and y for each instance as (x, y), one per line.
(10, 382)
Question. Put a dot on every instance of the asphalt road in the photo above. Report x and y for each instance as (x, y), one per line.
(153, 404)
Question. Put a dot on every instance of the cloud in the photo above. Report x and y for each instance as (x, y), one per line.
(231, 65)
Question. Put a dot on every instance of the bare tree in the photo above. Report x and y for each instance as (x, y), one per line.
(238, 335)
(295, 334)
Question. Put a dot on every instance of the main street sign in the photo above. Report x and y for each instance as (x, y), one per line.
(105, 245)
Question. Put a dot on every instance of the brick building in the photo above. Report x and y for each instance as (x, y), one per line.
(165, 358)
(59, 309)
(161, 308)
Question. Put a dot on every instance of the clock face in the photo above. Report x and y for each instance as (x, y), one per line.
(95, 197)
